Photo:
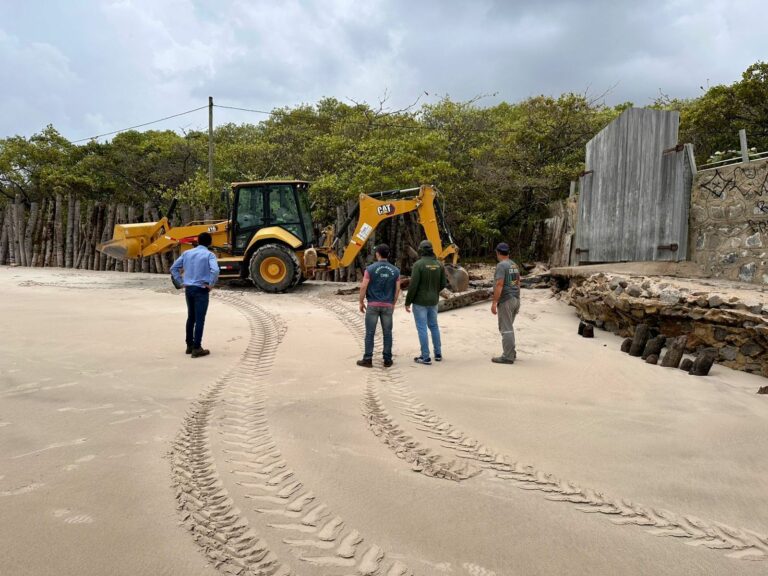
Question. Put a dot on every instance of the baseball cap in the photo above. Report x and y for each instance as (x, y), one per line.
(502, 247)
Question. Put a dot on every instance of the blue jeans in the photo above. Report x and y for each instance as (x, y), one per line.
(197, 306)
(426, 317)
(372, 316)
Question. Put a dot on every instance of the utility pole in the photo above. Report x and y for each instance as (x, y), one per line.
(210, 141)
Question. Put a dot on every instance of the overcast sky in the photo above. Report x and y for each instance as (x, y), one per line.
(89, 66)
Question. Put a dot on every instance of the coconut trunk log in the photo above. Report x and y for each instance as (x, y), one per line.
(465, 299)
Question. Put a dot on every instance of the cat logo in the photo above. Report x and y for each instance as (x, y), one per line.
(386, 209)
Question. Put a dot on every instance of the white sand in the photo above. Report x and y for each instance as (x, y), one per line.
(94, 386)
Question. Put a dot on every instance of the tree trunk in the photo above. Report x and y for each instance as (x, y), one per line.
(145, 262)
(34, 209)
(48, 233)
(466, 299)
(76, 235)
(106, 233)
(131, 218)
(37, 237)
(4, 235)
(58, 231)
(69, 248)
(19, 224)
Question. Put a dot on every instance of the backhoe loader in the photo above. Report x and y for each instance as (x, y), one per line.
(269, 236)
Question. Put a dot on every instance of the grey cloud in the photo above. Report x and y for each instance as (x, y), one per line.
(97, 66)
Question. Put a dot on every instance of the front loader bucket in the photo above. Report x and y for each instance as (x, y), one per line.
(457, 277)
(121, 248)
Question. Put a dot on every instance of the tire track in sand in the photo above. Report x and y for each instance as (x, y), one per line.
(290, 522)
(740, 543)
(423, 459)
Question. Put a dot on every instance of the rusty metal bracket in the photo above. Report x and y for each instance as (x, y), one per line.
(581, 250)
(670, 247)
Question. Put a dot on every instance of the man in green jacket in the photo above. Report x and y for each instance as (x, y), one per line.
(427, 280)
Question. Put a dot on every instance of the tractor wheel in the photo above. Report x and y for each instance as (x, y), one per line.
(275, 268)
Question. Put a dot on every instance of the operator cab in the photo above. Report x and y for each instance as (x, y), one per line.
(262, 204)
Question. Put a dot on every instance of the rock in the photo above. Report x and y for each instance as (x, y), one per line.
(589, 331)
(670, 296)
(652, 359)
(618, 290)
(634, 290)
(614, 283)
(720, 334)
(626, 344)
(715, 301)
(702, 301)
(754, 241)
(703, 363)
(751, 348)
(730, 258)
(747, 272)
(686, 364)
(762, 390)
(755, 308)
(728, 352)
(580, 330)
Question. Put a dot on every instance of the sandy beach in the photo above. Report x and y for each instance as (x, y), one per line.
(278, 455)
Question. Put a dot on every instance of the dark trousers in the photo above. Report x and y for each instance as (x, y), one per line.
(372, 316)
(197, 306)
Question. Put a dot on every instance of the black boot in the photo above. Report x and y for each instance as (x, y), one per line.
(190, 348)
(197, 352)
(365, 363)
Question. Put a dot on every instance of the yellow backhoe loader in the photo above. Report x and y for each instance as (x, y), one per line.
(269, 237)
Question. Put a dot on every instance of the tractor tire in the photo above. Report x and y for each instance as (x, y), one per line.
(274, 268)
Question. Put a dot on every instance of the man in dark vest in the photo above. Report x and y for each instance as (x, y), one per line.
(381, 289)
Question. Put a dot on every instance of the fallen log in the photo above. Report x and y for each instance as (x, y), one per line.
(460, 300)
(686, 364)
(347, 291)
(626, 344)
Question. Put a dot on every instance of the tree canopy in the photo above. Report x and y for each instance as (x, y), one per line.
(498, 166)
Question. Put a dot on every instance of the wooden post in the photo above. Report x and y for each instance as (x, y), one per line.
(639, 341)
(653, 347)
(743, 143)
(703, 363)
(675, 352)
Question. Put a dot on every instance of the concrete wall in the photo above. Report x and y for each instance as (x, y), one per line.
(729, 222)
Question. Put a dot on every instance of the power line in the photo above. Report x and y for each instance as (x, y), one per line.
(139, 125)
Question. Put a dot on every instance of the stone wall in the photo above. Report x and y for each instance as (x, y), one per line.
(736, 326)
(729, 222)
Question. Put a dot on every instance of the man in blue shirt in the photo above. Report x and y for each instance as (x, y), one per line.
(381, 288)
(201, 270)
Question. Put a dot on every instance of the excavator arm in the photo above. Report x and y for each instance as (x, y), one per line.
(373, 209)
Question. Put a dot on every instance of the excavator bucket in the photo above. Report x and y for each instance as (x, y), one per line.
(458, 278)
(121, 249)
